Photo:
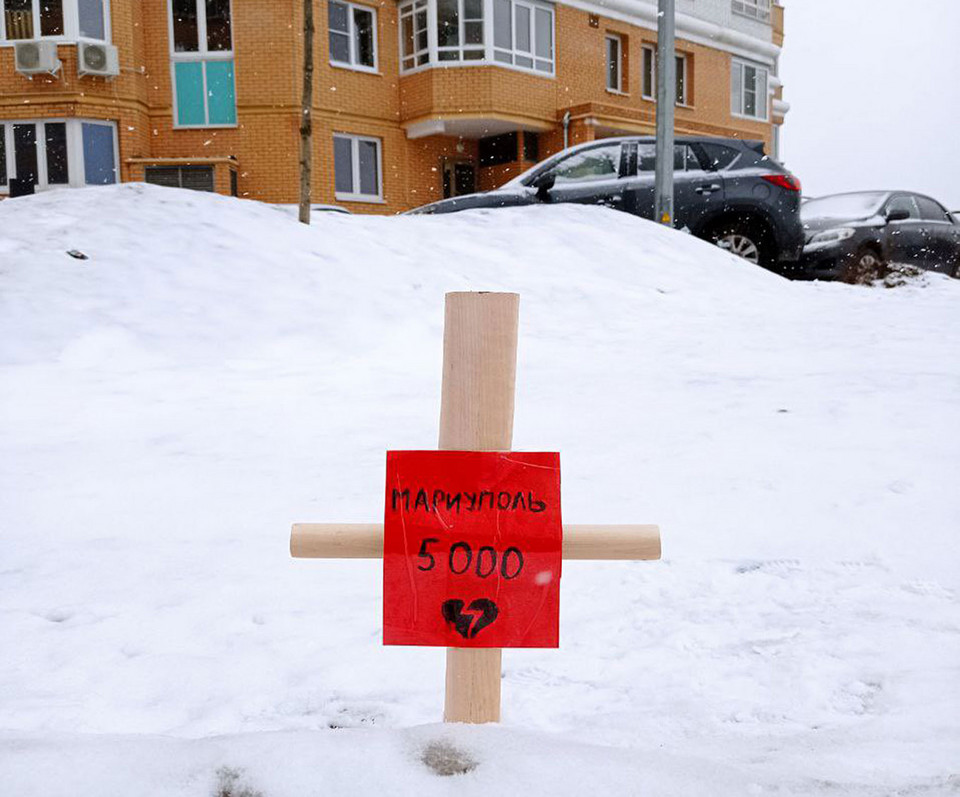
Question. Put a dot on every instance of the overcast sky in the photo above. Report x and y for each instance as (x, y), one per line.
(874, 90)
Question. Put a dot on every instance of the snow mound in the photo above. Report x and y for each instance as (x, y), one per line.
(203, 275)
(214, 371)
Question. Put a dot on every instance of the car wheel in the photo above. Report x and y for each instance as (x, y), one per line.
(865, 266)
(743, 241)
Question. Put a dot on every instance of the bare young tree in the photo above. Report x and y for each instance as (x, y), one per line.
(306, 118)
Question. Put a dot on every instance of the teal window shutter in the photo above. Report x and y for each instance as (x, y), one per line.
(189, 79)
(221, 95)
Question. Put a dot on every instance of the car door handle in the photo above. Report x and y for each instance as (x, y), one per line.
(707, 189)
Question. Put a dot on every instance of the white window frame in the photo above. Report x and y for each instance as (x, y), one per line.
(754, 9)
(616, 40)
(76, 171)
(355, 195)
(71, 25)
(202, 55)
(462, 47)
(514, 52)
(352, 36)
(737, 67)
(683, 65)
(680, 57)
(644, 49)
(409, 8)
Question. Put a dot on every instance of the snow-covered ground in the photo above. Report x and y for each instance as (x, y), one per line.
(215, 371)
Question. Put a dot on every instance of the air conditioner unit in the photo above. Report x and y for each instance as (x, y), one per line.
(96, 58)
(36, 58)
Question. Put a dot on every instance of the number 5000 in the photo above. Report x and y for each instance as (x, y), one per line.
(460, 558)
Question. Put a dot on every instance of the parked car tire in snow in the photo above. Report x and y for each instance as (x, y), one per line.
(866, 265)
(746, 240)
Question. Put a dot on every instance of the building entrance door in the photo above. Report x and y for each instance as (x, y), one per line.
(459, 178)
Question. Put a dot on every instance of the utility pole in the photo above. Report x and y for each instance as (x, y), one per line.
(666, 99)
(306, 114)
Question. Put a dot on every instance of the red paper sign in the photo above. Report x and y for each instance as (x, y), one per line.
(472, 549)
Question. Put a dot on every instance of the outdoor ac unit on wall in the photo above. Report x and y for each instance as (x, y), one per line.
(95, 58)
(36, 58)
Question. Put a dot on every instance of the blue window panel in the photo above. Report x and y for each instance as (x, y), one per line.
(221, 97)
(189, 79)
(91, 19)
(99, 159)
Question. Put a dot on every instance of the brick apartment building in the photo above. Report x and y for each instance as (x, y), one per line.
(414, 99)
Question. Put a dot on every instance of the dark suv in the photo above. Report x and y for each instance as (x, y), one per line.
(725, 190)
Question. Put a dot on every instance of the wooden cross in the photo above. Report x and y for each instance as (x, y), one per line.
(476, 414)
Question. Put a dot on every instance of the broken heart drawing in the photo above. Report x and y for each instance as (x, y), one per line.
(477, 616)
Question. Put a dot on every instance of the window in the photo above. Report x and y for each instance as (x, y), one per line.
(460, 30)
(523, 35)
(497, 150)
(99, 153)
(614, 82)
(756, 9)
(749, 90)
(595, 163)
(26, 159)
(681, 80)
(32, 19)
(903, 202)
(60, 19)
(54, 152)
(719, 156)
(356, 165)
(56, 145)
(648, 75)
(684, 158)
(92, 16)
(649, 69)
(931, 210)
(353, 35)
(414, 42)
(194, 178)
(202, 63)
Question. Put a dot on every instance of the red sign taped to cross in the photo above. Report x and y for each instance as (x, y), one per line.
(472, 549)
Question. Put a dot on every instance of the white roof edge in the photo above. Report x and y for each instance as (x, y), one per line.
(696, 30)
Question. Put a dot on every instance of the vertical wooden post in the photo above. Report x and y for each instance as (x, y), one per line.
(476, 413)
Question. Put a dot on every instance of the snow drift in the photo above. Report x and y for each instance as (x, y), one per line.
(214, 371)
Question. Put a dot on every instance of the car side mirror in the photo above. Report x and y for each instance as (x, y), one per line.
(543, 184)
(898, 215)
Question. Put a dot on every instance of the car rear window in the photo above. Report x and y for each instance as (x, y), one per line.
(720, 156)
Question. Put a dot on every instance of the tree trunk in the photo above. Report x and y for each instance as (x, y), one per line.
(306, 119)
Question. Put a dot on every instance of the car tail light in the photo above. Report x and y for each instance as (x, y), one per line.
(787, 181)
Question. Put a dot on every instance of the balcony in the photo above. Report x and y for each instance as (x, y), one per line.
(517, 34)
(475, 102)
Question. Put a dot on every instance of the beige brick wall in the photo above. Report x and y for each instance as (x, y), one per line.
(268, 58)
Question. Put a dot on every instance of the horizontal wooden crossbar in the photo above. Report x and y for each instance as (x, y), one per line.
(365, 541)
